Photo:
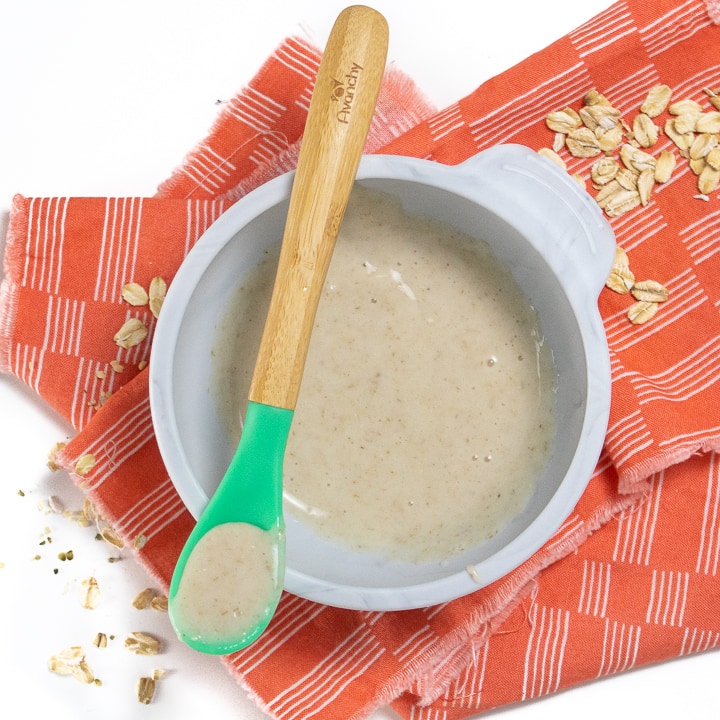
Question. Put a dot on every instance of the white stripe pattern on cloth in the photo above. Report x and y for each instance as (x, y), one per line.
(636, 528)
(603, 30)
(668, 597)
(621, 642)
(545, 651)
(709, 542)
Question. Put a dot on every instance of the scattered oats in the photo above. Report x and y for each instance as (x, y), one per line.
(664, 166)
(642, 311)
(159, 603)
(54, 450)
(618, 280)
(708, 122)
(703, 144)
(582, 143)
(645, 184)
(88, 511)
(685, 124)
(685, 107)
(609, 140)
(158, 289)
(85, 464)
(713, 158)
(132, 333)
(100, 374)
(471, 570)
(563, 121)
(143, 599)
(146, 690)
(621, 202)
(709, 180)
(110, 536)
(146, 686)
(142, 643)
(139, 542)
(683, 141)
(635, 159)
(598, 128)
(553, 157)
(649, 291)
(656, 101)
(100, 640)
(697, 165)
(90, 593)
(142, 364)
(134, 294)
(71, 661)
(627, 179)
(621, 278)
(68, 655)
(621, 257)
(116, 366)
(645, 130)
(606, 192)
(600, 116)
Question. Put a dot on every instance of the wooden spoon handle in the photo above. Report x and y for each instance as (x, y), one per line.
(341, 109)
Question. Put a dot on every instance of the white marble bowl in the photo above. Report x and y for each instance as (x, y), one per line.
(541, 225)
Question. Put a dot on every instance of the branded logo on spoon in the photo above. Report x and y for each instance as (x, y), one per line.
(343, 92)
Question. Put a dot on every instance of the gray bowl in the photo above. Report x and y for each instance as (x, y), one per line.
(555, 242)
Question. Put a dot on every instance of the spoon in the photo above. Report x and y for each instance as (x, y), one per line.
(229, 576)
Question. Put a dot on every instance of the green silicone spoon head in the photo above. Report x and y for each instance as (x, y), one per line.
(229, 576)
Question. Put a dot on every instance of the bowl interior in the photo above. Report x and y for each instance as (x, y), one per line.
(312, 560)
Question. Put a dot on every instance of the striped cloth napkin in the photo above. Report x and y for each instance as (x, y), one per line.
(631, 578)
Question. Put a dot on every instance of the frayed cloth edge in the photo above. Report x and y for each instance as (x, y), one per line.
(168, 188)
(638, 478)
(8, 313)
(398, 88)
(483, 623)
(13, 257)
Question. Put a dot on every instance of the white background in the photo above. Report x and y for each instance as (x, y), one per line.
(105, 98)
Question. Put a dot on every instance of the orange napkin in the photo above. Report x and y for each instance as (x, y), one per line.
(632, 576)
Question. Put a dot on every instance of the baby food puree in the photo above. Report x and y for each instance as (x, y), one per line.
(426, 409)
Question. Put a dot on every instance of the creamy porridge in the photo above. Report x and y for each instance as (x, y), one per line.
(426, 408)
(229, 585)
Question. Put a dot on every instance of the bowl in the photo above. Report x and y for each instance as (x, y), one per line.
(540, 225)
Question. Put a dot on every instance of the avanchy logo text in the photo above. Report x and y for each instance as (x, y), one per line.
(343, 92)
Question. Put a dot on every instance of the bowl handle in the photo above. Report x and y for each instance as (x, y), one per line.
(541, 200)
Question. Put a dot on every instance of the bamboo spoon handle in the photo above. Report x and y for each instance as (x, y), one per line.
(341, 109)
